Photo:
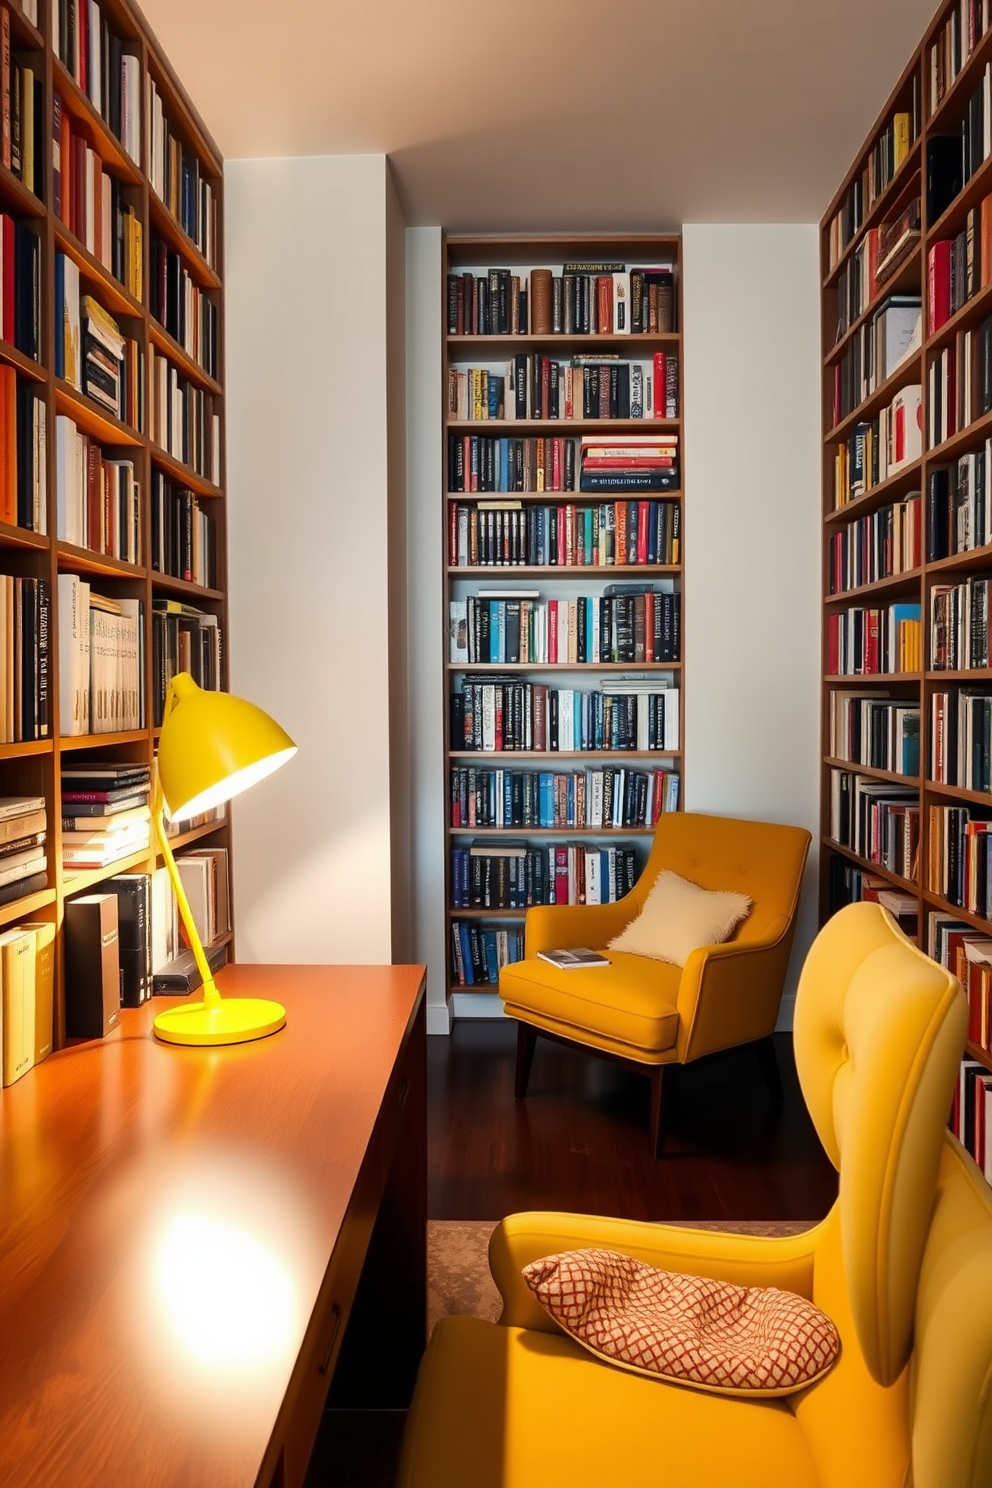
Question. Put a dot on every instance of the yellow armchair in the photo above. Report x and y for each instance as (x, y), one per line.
(902, 1263)
(648, 1014)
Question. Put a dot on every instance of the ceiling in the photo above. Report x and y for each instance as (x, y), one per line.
(535, 115)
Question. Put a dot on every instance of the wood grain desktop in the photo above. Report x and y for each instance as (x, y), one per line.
(183, 1231)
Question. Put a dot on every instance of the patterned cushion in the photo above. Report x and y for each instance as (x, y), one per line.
(687, 1329)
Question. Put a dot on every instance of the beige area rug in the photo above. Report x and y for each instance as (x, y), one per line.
(458, 1280)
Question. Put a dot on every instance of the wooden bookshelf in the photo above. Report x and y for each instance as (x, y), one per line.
(83, 141)
(535, 535)
(914, 841)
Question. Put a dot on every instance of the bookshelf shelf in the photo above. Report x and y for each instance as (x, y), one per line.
(18, 198)
(103, 426)
(25, 365)
(497, 285)
(894, 582)
(564, 339)
(929, 821)
(619, 667)
(191, 368)
(100, 138)
(883, 395)
(523, 427)
(871, 771)
(112, 293)
(85, 560)
(28, 907)
(496, 833)
(163, 222)
(879, 208)
(493, 571)
(903, 481)
(188, 477)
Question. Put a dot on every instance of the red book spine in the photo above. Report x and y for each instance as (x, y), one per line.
(939, 284)
(556, 465)
(561, 875)
(659, 381)
(870, 667)
(553, 626)
(643, 518)
(604, 304)
(833, 645)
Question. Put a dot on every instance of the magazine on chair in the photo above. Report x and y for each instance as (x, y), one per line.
(574, 956)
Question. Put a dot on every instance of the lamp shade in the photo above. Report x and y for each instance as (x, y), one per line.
(213, 746)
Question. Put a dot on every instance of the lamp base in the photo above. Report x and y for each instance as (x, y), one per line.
(232, 1020)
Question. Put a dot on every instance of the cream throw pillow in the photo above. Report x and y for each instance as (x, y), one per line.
(678, 917)
(689, 1330)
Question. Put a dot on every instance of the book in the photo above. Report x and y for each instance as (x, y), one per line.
(574, 957)
(44, 987)
(182, 975)
(17, 969)
(92, 966)
(133, 892)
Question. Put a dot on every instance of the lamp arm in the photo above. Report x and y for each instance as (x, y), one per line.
(211, 997)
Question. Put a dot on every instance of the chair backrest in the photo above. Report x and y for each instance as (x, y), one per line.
(879, 1033)
(764, 860)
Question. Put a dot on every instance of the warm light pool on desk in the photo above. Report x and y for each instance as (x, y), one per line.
(213, 746)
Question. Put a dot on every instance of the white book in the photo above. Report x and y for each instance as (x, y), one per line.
(594, 806)
(130, 105)
(458, 632)
(621, 304)
(164, 918)
(593, 877)
(488, 716)
(71, 620)
(194, 874)
(566, 721)
(95, 77)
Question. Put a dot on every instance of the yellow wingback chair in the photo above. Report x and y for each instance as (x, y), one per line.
(902, 1263)
(648, 1014)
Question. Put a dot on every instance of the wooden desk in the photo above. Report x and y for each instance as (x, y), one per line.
(182, 1233)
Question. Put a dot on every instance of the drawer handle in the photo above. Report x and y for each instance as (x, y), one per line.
(335, 1325)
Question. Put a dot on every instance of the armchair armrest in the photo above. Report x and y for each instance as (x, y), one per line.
(746, 1260)
(729, 994)
(549, 926)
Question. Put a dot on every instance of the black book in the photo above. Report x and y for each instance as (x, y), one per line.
(21, 887)
(27, 289)
(944, 174)
(133, 892)
(182, 974)
(938, 507)
(25, 455)
(113, 84)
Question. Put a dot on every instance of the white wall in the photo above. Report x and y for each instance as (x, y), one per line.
(425, 525)
(306, 280)
(752, 576)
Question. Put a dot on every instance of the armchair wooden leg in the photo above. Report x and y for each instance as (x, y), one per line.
(526, 1044)
(657, 1132)
(769, 1068)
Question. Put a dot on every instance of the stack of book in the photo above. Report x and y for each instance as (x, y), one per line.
(23, 862)
(105, 813)
(631, 462)
(103, 349)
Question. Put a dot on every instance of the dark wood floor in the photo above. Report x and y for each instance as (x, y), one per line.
(579, 1139)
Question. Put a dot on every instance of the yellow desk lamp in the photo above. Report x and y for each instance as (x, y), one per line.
(212, 747)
